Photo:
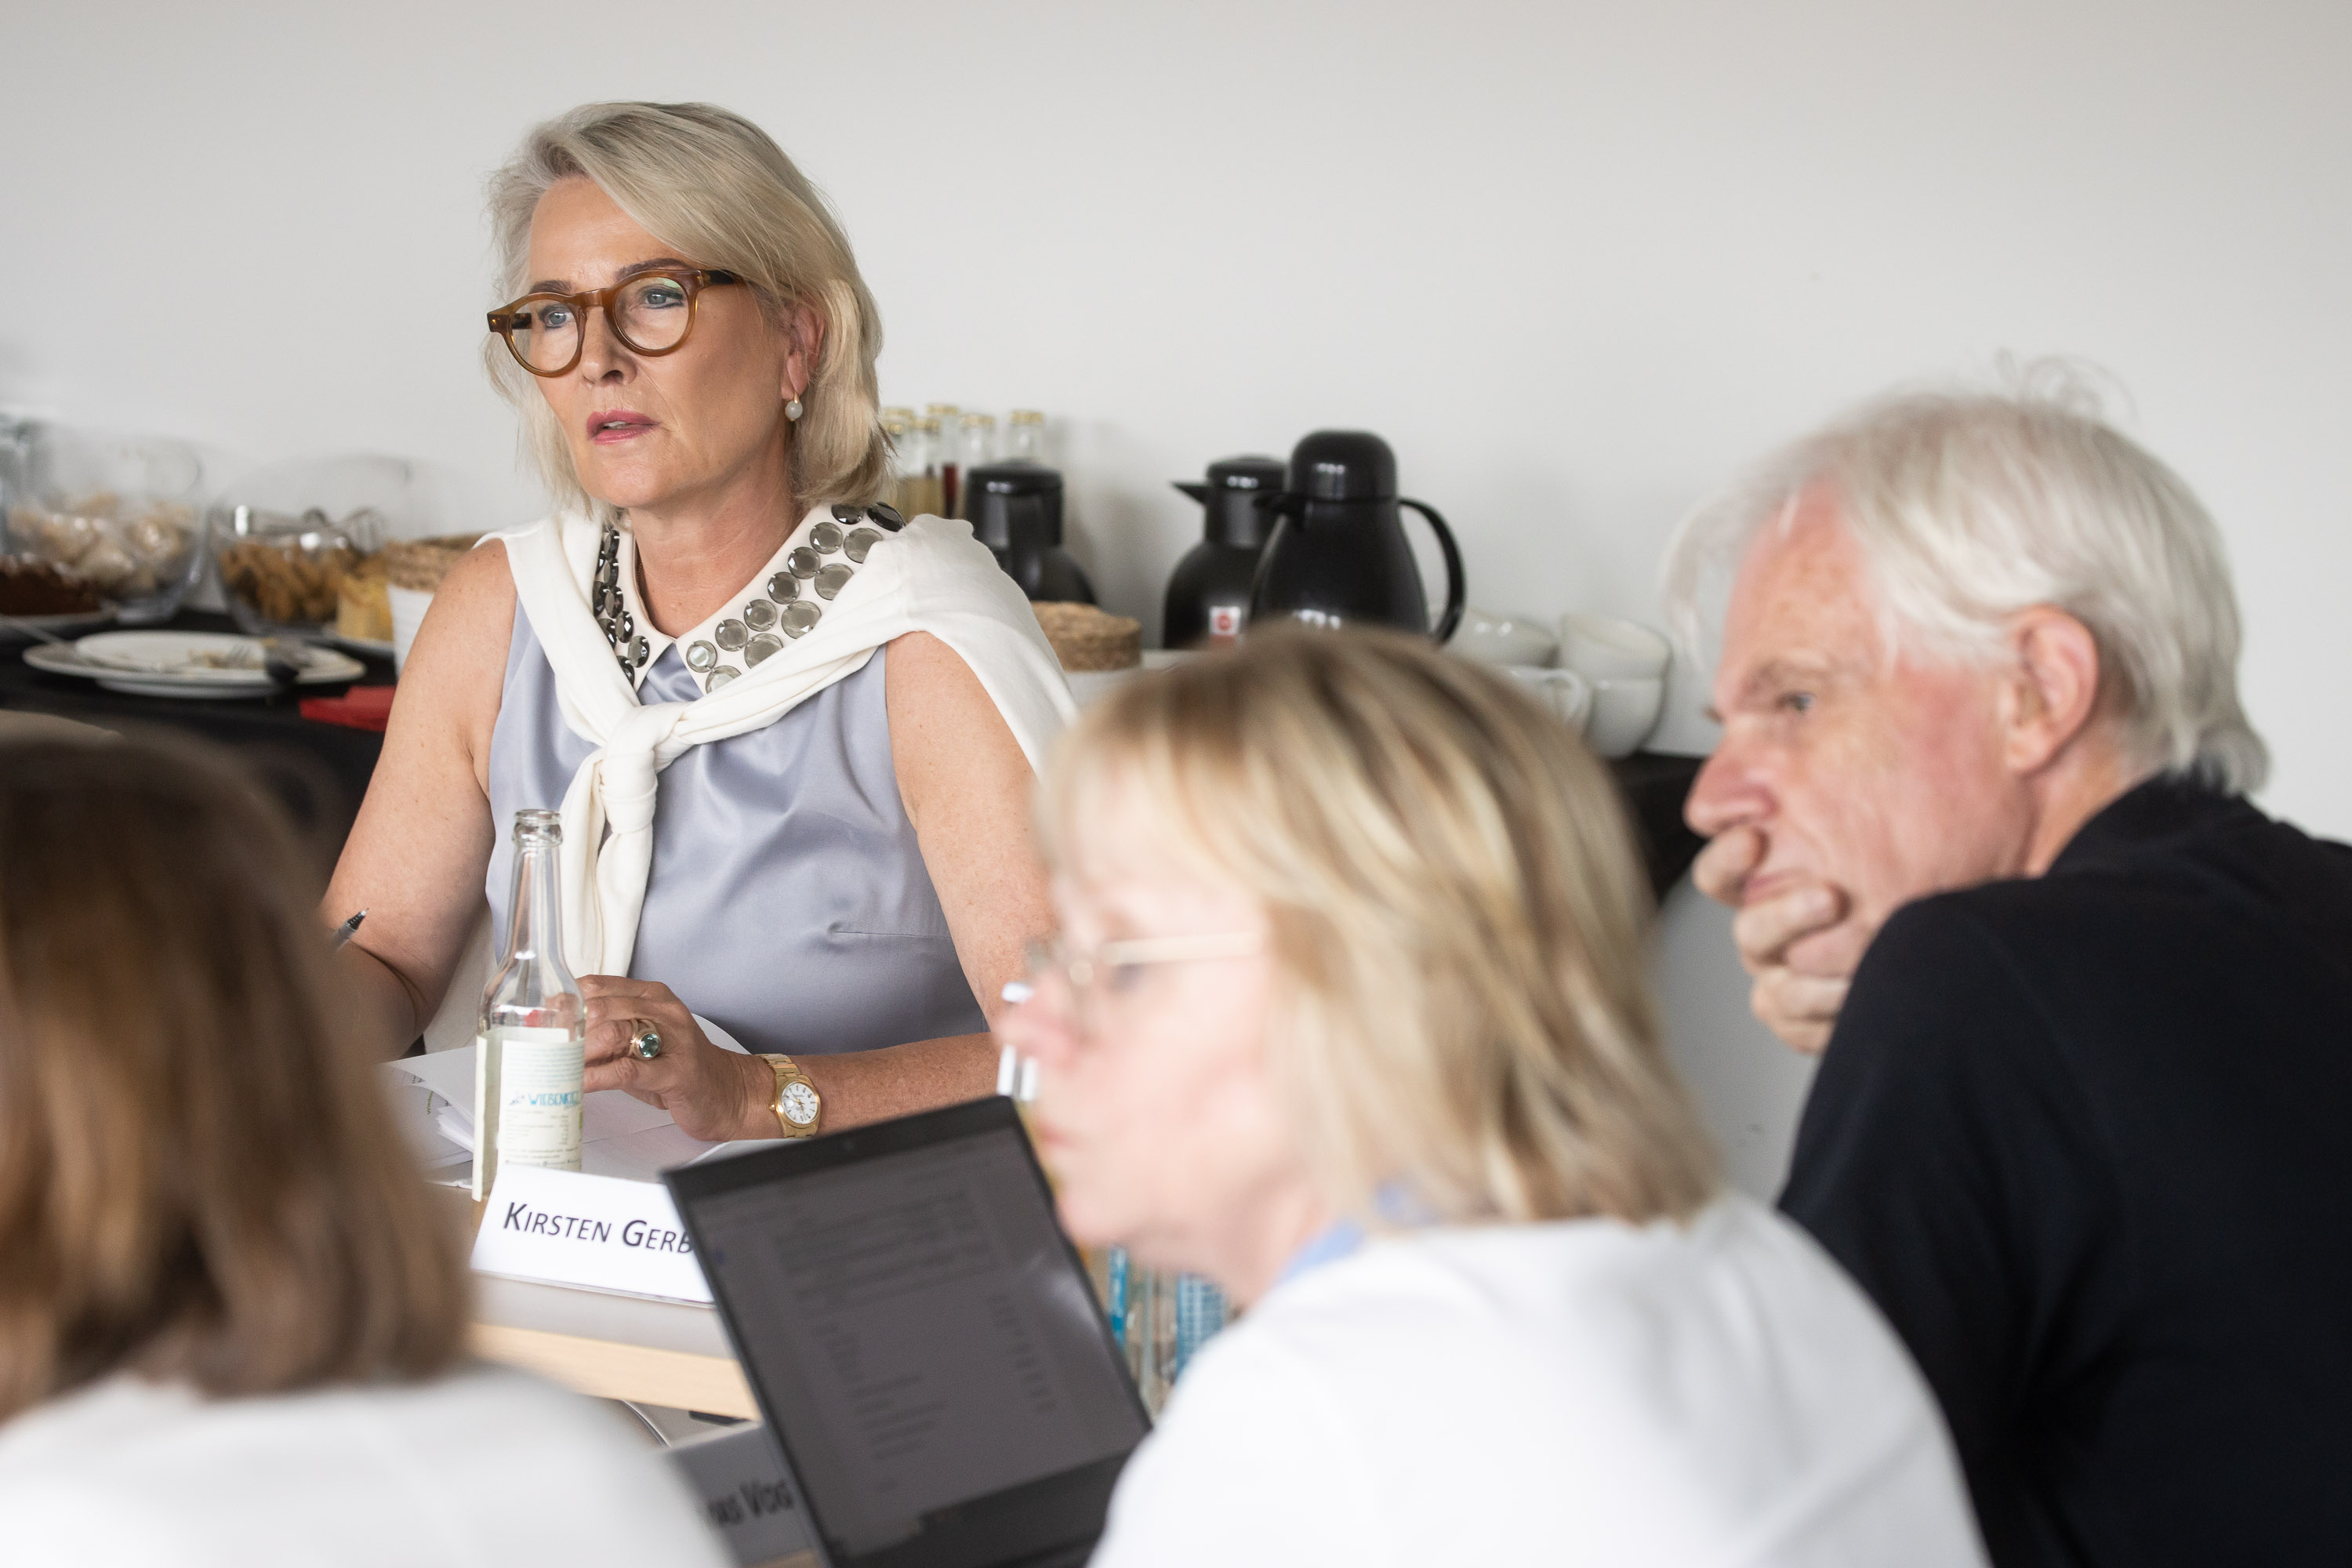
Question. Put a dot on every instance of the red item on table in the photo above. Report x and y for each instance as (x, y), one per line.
(361, 708)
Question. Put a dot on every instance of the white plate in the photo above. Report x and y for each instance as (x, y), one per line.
(366, 648)
(186, 664)
(15, 628)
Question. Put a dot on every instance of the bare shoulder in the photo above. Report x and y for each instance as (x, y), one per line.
(472, 612)
(933, 694)
(945, 731)
(922, 667)
(480, 581)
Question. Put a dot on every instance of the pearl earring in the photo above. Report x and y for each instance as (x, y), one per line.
(793, 409)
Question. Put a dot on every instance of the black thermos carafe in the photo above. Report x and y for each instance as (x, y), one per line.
(1209, 596)
(1016, 510)
(1337, 556)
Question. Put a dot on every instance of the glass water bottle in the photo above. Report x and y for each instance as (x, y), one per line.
(528, 1046)
(1159, 1319)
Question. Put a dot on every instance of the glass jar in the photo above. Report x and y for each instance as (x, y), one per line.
(975, 449)
(943, 419)
(1024, 437)
(292, 538)
(114, 511)
(928, 476)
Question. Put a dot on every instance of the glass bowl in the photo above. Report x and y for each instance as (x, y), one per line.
(117, 511)
(288, 538)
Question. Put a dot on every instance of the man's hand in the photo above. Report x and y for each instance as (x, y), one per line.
(1801, 946)
(711, 1094)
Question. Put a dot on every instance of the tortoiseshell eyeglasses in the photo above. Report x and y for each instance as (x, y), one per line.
(651, 313)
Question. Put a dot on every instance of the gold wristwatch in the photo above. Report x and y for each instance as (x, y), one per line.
(798, 1106)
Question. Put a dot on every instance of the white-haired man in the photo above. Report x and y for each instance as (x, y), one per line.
(2081, 1124)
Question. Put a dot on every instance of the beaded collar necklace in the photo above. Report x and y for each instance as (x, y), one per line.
(750, 634)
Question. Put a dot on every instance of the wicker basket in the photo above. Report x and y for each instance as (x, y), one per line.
(419, 564)
(1086, 639)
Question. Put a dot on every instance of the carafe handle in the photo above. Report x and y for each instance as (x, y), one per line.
(1452, 617)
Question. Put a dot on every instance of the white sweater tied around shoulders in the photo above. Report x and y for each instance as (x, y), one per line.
(931, 576)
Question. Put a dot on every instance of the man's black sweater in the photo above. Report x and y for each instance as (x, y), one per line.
(2087, 1140)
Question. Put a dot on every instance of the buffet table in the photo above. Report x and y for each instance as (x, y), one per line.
(321, 771)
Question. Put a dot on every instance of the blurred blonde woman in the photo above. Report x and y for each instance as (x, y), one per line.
(1349, 1014)
(232, 1326)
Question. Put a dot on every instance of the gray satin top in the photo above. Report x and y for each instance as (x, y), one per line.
(788, 900)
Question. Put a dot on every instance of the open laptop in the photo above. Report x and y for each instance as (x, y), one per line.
(921, 1338)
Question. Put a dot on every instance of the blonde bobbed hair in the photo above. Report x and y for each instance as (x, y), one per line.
(718, 190)
(1462, 1015)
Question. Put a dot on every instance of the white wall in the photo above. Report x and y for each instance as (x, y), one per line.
(1750, 1089)
(1576, 262)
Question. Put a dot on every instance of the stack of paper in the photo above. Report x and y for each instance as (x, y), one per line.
(433, 1097)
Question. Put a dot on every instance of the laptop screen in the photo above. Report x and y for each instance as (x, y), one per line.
(921, 1335)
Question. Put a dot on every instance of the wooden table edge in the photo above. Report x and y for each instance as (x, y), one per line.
(614, 1369)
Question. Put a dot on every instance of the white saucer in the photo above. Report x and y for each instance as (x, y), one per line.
(186, 664)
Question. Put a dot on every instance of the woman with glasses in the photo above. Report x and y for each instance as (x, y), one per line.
(232, 1316)
(790, 732)
(1349, 1014)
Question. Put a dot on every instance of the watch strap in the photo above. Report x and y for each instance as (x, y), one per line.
(788, 1075)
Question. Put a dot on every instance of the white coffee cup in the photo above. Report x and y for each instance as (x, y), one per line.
(1492, 639)
(1599, 648)
(1564, 691)
(1624, 712)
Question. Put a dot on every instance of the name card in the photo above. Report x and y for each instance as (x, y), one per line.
(600, 1232)
(746, 1494)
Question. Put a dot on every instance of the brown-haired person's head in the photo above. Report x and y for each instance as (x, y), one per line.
(200, 1179)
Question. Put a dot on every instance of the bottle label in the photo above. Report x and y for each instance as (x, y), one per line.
(537, 1096)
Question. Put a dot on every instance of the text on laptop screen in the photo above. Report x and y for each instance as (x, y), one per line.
(920, 1307)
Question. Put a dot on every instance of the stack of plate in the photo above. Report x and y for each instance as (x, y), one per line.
(210, 665)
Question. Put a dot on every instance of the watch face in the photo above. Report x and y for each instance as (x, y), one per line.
(800, 1103)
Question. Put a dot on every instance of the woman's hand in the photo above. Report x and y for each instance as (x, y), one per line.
(713, 1095)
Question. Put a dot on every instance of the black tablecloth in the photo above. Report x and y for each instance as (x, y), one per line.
(1655, 787)
(321, 771)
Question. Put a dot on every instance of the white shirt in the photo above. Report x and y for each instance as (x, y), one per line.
(1575, 1393)
(487, 1468)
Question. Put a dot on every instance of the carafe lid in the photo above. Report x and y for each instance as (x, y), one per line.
(1012, 479)
(1237, 495)
(992, 492)
(1343, 465)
